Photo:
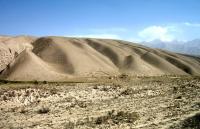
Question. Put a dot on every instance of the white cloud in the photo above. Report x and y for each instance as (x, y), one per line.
(192, 24)
(157, 32)
(101, 36)
(183, 31)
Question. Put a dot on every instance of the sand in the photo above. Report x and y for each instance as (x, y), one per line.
(26, 58)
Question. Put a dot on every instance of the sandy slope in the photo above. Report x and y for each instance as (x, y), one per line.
(10, 47)
(59, 58)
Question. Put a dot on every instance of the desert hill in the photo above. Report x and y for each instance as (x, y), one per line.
(60, 58)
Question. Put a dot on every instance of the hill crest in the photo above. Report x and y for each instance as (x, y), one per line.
(60, 58)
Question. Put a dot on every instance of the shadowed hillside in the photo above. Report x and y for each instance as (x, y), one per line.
(60, 58)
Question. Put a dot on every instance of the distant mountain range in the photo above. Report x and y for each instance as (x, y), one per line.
(189, 47)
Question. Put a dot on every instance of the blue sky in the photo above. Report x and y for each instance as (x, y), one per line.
(133, 20)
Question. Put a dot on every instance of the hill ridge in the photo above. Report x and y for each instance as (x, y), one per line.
(60, 58)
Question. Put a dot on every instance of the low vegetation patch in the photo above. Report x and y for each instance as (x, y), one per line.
(69, 125)
(43, 110)
(123, 76)
(127, 91)
(118, 117)
(112, 117)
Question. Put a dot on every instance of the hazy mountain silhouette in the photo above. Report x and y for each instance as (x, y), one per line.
(190, 47)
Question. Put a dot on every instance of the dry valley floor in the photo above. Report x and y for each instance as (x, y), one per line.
(168, 102)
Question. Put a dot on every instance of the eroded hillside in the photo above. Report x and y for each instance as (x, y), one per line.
(61, 58)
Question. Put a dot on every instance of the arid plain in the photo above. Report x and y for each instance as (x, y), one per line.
(59, 82)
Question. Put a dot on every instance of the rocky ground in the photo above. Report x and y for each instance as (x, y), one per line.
(123, 102)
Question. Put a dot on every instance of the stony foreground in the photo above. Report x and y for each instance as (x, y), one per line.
(122, 102)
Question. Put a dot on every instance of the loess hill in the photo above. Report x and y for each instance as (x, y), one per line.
(25, 58)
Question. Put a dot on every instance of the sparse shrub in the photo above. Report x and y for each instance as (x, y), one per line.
(43, 110)
(196, 105)
(53, 91)
(175, 89)
(105, 89)
(95, 87)
(127, 91)
(1, 92)
(35, 82)
(178, 97)
(112, 116)
(12, 110)
(69, 125)
(117, 85)
(111, 77)
(102, 119)
(45, 82)
(123, 76)
(110, 113)
(119, 117)
(81, 104)
(11, 94)
(3, 81)
(23, 110)
(5, 97)
(125, 117)
(27, 92)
